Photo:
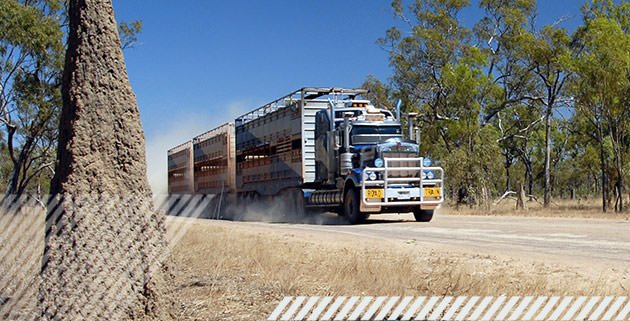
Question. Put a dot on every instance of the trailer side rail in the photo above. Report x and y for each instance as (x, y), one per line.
(298, 96)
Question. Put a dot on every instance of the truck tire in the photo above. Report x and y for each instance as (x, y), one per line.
(422, 215)
(292, 205)
(351, 207)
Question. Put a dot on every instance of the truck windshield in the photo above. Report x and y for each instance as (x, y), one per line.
(373, 134)
(375, 130)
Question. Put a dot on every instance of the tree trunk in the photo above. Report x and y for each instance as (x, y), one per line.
(520, 198)
(21, 163)
(618, 169)
(547, 183)
(508, 179)
(16, 161)
(12, 185)
(17, 181)
(529, 175)
(619, 185)
(105, 243)
(485, 198)
(602, 166)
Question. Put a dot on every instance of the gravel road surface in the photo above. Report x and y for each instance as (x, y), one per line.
(561, 240)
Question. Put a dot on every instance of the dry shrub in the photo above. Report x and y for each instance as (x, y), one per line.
(583, 208)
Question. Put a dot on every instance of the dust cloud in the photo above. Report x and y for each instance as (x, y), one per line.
(175, 132)
(178, 130)
(267, 210)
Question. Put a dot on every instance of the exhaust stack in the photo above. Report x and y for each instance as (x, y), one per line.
(411, 117)
(346, 157)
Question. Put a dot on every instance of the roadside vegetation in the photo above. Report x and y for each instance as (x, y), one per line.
(511, 107)
(578, 208)
(227, 271)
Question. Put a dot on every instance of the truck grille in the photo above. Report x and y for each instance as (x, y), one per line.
(411, 163)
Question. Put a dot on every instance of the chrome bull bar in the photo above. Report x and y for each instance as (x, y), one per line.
(397, 190)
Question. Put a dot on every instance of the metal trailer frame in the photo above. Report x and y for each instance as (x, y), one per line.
(216, 150)
(267, 125)
(185, 167)
(400, 184)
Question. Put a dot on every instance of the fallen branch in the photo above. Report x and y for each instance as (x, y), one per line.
(505, 195)
(532, 197)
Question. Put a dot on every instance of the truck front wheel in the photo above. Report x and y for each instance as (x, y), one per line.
(422, 215)
(351, 207)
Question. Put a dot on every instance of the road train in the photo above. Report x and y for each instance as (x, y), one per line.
(315, 149)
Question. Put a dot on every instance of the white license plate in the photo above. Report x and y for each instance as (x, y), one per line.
(404, 195)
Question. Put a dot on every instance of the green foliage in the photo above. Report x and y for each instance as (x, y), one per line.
(467, 139)
(494, 103)
(29, 28)
(379, 93)
(129, 33)
(440, 74)
(602, 63)
(619, 12)
(469, 171)
(31, 58)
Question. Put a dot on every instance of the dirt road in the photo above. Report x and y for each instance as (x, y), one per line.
(554, 240)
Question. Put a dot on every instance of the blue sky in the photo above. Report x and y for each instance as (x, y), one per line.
(199, 64)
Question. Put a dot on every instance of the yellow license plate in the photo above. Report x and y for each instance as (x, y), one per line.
(432, 192)
(374, 193)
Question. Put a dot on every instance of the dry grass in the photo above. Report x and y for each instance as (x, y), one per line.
(235, 271)
(22, 239)
(590, 208)
(227, 271)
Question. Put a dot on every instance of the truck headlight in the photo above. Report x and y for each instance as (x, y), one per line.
(429, 175)
(426, 162)
(378, 162)
(372, 176)
(424, 175)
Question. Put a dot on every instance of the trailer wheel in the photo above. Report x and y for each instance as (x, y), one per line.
(422, 215)
(351, 207)
(291, 204)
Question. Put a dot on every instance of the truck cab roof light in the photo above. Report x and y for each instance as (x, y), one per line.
(374, 117)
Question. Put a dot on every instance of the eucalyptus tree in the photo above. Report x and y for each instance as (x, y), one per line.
(602, 87)
(547, 53)
(505, 33)
(31, 57)
(440, 72)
